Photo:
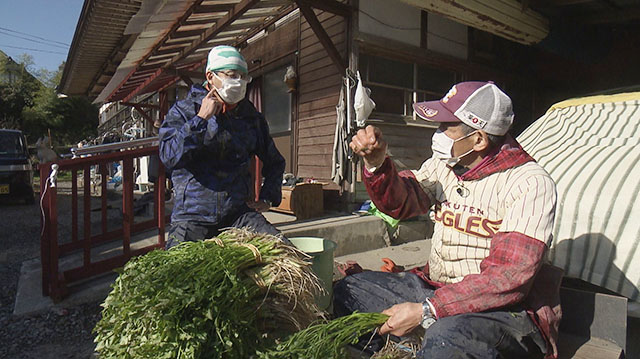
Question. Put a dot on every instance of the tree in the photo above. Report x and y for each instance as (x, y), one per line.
(17, 90)
(34, 107)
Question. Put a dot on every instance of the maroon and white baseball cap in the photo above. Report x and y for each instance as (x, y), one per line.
(481, 105)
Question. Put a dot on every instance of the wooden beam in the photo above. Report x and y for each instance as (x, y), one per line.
(265, 13)
(271, 3)
(220, 25)
(110, 66)
(325, 40)
(185, 78)
(174, 28)
(331, 6)
(144, 84)
(205, 9)
(266, 24)
(173, 50)
(175, 79)
(187, 33)
(199, 21)
(506, 20)
(142, 105)
(194, 74)
(163, 96)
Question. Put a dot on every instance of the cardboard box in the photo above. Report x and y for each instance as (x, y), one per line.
(304, 200)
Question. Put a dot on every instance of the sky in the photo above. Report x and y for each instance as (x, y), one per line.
(41, 28)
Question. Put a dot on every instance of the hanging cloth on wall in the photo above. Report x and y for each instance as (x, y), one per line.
(340, 164)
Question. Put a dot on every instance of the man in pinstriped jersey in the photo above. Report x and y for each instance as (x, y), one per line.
(485, 291)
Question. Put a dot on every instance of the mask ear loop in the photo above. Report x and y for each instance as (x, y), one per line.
(219, 78)
(216, 93)
(465, 136)
(460, 139)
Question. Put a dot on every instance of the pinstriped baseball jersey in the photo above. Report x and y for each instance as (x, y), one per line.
(468, 213)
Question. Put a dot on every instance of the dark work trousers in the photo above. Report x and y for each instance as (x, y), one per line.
(196, 231)
(505, 333)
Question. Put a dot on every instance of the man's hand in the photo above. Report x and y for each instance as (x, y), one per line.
(259, 206)
(368, 144)
(210, 105)
(403, 318)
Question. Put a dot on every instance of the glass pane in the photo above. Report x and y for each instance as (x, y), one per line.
(276, 101)
(363, 62)
(388, 100)
(436, 80)
(390, 72)
(11, 143)
(423, 96)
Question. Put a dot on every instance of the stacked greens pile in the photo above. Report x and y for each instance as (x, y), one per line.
(223, 298)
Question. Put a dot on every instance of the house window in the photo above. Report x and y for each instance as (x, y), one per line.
(276, 105)
(396, 85)
(434, 81)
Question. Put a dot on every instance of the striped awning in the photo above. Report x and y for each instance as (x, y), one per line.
(591, 148)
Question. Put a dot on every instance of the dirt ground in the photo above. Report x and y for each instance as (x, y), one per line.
(54, 334)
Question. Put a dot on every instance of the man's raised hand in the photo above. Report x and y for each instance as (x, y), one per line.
(368, 144)
(210, 105)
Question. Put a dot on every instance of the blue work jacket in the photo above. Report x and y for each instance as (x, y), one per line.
(209, 160)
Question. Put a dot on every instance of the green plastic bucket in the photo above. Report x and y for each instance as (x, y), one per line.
(322, 252)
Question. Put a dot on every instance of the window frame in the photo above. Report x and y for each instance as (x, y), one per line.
(262, 75)
(411, 95)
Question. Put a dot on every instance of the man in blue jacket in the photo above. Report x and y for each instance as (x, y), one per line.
(207, 141)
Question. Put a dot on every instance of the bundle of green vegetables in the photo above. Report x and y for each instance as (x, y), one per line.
(326, 340)
(223, 298)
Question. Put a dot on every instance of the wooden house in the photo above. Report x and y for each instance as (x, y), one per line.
(405, 50)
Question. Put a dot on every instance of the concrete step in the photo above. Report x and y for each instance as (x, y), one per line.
(416, 229)
(29, 298)
(574, 347)
(409, 255)
(352, 234)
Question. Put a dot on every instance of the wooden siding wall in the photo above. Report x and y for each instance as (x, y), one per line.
(264, 54)
(319, 84)
(409, 146)
(268, 53)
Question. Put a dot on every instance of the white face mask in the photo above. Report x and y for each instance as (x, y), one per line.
(233, 90)
(442, 145)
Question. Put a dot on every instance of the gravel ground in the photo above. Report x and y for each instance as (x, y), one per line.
(57, 333)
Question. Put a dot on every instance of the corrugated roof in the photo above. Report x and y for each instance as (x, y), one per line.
(150, 43)
(99, 44)
(122, 48)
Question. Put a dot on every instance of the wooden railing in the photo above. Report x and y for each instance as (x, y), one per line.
(54, 280)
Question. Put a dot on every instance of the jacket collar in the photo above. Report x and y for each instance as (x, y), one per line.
(197, 93)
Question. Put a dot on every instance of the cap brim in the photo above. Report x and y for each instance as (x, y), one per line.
(433, 111)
